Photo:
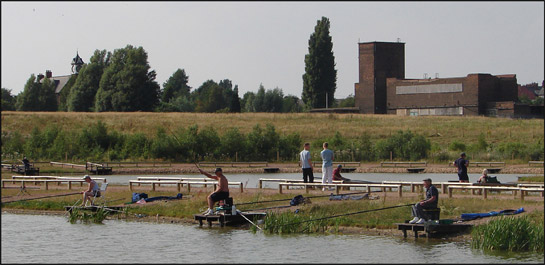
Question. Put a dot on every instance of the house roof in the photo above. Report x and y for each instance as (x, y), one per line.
(60, 82)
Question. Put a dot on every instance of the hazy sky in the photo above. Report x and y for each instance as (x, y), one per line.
(266, 42)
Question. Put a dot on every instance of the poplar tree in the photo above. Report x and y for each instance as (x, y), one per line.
(320, 78)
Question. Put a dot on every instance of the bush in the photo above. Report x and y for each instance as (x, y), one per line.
(457, 146)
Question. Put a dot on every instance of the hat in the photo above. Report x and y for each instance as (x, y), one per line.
(340, 166)
(428, 180)
(463, 154)
(218, 169)
(86, 177)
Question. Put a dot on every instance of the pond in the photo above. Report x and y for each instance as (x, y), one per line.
(51, 239)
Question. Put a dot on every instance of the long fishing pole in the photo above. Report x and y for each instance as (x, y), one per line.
(239, 212)
(51, 196)
(346, 214)
(318, 196)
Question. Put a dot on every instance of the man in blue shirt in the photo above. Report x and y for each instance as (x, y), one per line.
(306, 164)
(327, 165)
(461, 163)
(432, 197)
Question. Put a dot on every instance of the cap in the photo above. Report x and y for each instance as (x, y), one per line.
(427, 179)
(218, 169)
(86, 177)
(340, 166)
(463, 154)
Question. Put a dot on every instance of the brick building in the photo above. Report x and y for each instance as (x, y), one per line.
(383, 89)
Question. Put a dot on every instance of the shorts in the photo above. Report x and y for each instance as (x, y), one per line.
(463, 176)
(219, 195)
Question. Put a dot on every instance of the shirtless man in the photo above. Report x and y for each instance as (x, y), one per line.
(221, 193)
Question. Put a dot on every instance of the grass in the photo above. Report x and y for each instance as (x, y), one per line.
(440, 130)
(510, 233)
(531, 179)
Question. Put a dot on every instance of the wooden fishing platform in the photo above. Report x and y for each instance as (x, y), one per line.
(433, 230)
(493, 170)
(95, 208)
(415, 170)
(348, 170)
(271, 170)
(228, 219)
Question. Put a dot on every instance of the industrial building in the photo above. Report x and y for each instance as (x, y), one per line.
(383, 88)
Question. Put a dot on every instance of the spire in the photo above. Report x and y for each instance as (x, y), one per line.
(77, 63)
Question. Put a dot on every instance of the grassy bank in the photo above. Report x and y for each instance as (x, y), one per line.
(320, 207)
(311, 126)
(224, 137)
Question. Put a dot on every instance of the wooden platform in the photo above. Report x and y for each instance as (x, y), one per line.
(415, 170)
(95, 208)
(348, 170)
(271, 170)
(433, 230)
(493, 170)
(228, 219)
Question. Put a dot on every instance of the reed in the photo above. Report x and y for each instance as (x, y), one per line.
(509, 233)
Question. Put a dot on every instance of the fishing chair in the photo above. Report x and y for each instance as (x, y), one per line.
(101, 193)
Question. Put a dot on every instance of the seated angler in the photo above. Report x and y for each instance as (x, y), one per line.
(432, 198)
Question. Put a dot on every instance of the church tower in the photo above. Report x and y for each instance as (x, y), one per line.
(77, 63)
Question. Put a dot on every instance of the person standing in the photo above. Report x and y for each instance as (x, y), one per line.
(432, 197)
(306, 164)
(26, 163)
(327, 165)
(461, 163)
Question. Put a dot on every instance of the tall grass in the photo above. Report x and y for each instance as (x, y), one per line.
(509, 233)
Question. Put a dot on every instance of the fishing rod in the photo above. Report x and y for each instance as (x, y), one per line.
(346, 214)
(318, 196)
(51, 196)
(238, 211)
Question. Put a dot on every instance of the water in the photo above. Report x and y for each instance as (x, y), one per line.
(51, 239)
(252, 180)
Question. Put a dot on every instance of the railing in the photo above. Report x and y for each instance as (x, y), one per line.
(138, 164)
(403, 164)
(70, 165)
(233, 164)
(489, 164)
(533, 163)
(484, 190)
(179, 184)
(345, 164)
(261, 180)
(338, 186)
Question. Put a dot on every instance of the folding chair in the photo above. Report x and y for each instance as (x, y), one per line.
(101, 193)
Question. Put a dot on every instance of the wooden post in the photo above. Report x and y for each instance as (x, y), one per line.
(188, 187)
(391, 156)
(178, 186)
(521, 195)
(279, 188)
(241, 188)
(46, 185)
(130, 186)
(450, 192)
(153, 186)
(337, 189)
(69, 184)
(368, 189)
(485, 193)
(400, 191)
(260, 183)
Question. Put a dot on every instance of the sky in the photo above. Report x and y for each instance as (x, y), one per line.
(253, 43)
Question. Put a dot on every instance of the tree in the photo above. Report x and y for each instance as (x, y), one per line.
(291, 104)
(348, 102)
(37, 96)
(235, 101)
(320, 78)
(65, 93)
(8, 101)
(247, 102)
(175, 86)
(127, 83)
(83, 93)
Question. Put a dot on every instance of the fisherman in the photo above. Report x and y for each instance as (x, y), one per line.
(26, 163)
(337, 174)
(484, 177)
(432, 197)
(327, 165)
(91, 192)
(221, 193)
(461, 163)
(306, 164)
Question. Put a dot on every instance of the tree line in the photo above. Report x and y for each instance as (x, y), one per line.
(123, 80)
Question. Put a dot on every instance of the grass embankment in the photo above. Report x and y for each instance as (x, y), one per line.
(532, 179)
(311, 126)
(511, 233)
(320, 207)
